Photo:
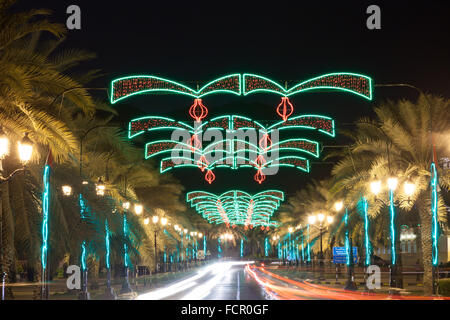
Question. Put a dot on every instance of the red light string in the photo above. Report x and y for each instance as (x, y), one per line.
(195, 143)
(285, 108)
(202, 163)
(198, 111)
(210, 176)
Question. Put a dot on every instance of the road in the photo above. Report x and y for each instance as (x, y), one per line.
(219, 281)
(240, 280)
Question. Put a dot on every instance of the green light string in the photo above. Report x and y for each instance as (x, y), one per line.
(434, 215)
(45, 207)
(392, 226)
(308, 247)
(303, 248)
(219, 249)
(366, 231)
(107, 244)
(83, 256)
(125, 247)
(266, 247)
(242, 248)
(204, 245)
(347, 241)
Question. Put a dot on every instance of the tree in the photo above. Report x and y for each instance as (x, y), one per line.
(398, 142)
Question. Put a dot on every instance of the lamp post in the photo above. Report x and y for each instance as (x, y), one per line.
(409, 188)
(350, 285)
(290, 230)
(25, 149)
(322, 221)
(163, 222)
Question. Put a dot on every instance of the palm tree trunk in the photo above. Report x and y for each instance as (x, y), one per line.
(425, 242)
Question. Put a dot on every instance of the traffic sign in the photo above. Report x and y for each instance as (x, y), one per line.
(340, 255)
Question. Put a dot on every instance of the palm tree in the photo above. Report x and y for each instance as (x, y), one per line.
(398, 143)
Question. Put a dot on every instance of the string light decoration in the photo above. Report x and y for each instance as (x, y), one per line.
(343, 81)
(128, 86)
(45, 207)
(107, 245)
(363, 205)
(194, 154)
(434, 215)
(392, 226)
(349, 82)
(198, 111)
(237, 207)
(320, 123)
(285, 108)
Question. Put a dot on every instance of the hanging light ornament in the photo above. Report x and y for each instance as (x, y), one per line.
(285, 108)
(260, 176)
(210, 176)
(198, 111)
(262, 228)
(267, 228)
(265, 143)
(246, 227)
(202, 163)
(194, 142)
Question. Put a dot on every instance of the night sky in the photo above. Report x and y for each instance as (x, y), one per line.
(191, 41)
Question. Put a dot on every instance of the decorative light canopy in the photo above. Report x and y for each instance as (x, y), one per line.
(241, 85)
(237, 207)
(194, 154)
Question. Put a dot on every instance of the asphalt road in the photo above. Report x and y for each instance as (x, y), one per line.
(220, 281)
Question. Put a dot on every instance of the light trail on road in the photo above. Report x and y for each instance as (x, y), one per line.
(201, 284)
(306, 290)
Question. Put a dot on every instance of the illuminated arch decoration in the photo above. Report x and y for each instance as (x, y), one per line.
(237, 207)
(238, 84)
(129, 86)
(196, 155)
(349, 82)
(320, 123)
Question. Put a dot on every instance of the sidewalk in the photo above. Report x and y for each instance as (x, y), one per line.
(58, 288)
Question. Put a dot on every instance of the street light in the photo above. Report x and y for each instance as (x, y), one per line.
(67, 190)
(321, 218)
(126, 205)
(338, 206)
(138, 209)
(100, 187)
(409, 188)
(375, 187)
(25, 149)
(392, 183)
(146, 221)
(155, 219)
(163, 221)
(4, 144)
